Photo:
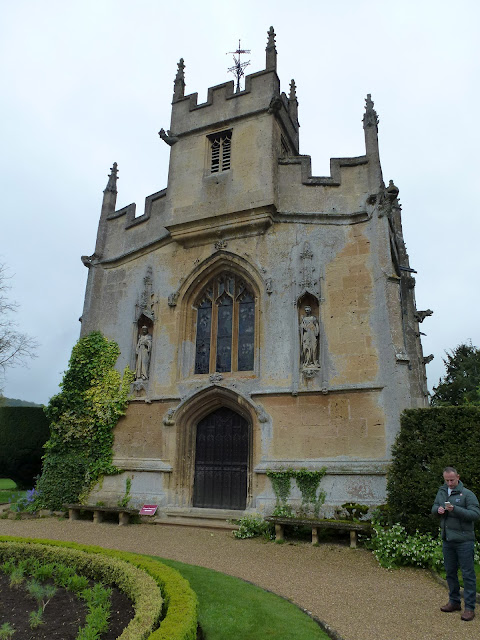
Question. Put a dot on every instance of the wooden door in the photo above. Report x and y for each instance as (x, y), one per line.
(221, 461)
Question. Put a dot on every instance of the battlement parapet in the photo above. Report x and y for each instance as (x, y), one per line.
(334, 180)
(224, 104)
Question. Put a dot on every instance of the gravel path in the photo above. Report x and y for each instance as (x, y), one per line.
(343, 587)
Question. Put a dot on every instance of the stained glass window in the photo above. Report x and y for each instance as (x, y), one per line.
(225, 334)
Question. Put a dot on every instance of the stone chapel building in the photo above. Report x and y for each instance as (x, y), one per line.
(269, 314)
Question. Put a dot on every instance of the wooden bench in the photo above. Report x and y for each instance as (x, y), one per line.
(315, 525)
(99, 511)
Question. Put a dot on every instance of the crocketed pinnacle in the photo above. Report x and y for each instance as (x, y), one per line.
(370, 118)
(293, 90)
(112, 179)
(271, 51)
(179, 84)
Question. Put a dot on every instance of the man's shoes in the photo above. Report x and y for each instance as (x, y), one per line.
(468, 615)
(452, 606)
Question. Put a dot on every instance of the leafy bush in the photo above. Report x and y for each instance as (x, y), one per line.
(353, 511)
(394, 547)
(82, 417)
(428, 441)
(23, 432)
(251, 526)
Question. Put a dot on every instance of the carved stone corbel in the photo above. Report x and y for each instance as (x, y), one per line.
(172, 299)
(168, 420)
(261, 413)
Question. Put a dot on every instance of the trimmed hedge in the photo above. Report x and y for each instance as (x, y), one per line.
(430, 440)
(23, 432)
(180, 606)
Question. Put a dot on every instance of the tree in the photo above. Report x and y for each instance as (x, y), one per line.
(15, 347)
(461, 384)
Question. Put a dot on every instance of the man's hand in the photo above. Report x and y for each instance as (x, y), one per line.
(441, 510)
(449, 507)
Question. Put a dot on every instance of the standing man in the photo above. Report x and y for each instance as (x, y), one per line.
(458, 509)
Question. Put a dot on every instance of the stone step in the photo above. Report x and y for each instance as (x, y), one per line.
(199, 517)
(203, 523)
(196, 512)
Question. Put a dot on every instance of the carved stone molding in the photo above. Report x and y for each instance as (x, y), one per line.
(215, 377)
(220, 244)
(307, 280)
(146, 305)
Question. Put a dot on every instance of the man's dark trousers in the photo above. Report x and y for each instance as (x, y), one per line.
(460, 554)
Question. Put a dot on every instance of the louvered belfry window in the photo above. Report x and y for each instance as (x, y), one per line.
(225, 326)
(220, 148)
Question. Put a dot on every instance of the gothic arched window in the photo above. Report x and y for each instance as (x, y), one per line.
(225, 326)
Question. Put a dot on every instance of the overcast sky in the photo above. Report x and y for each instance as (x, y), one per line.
(88, 83)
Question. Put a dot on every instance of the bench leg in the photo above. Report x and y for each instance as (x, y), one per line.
(97, 517)
(279, 532)
(314, 535)
(123, 518)
(353, 539)
(73, 514)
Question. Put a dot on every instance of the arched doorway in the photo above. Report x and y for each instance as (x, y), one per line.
(221, 461)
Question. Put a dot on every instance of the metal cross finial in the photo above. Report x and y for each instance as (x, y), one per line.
(238, 68)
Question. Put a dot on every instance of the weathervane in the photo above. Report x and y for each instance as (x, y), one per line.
(238, 68)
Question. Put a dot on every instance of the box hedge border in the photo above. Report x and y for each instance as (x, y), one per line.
(179, 614)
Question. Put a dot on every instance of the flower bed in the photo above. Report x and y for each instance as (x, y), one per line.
(159, 593)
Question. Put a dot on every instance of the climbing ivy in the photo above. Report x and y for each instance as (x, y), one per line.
(281, 483)
(307, 482)
(82, 417)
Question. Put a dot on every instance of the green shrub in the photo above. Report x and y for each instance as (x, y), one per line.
(23, 432)
(180, 611)
(354, 511)
(428, 441)
(36, 618)
(252, 526)
(6, 631)
(394, 547)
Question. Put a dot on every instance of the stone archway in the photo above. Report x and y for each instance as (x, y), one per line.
(188, 417)
(221, 461)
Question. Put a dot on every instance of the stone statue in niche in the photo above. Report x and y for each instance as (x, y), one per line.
(143, 352)
(309, 331)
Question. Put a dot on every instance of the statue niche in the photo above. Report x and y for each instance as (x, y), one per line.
(309, 329)
(143, 350)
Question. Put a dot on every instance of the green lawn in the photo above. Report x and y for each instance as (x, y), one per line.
(9, 491)
(231, 609)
